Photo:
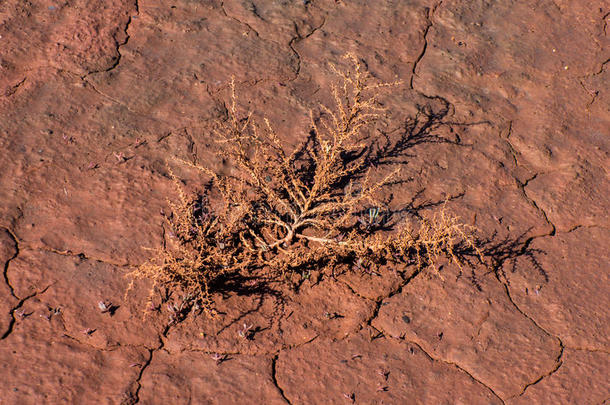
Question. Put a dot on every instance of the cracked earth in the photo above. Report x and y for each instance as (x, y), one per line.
(96, 95)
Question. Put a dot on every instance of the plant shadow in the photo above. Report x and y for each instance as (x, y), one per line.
(395, 147)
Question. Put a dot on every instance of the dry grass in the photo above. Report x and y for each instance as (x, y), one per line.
(281, 213)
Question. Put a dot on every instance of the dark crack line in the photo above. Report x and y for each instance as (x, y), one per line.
(398, 290)
(512, 150)
(558, 360)
(423, 51)
(510, 298)
(12, 89)
(523, 185)
(601, 69)
(118, 45)
(292, 41)
(274, 378)
(221, 352)
(585, 349)
(134, 397)
(476, 380)
(109, 348)
(429, 13)
(88, 84)
(213, 92)
(577, 227)
(379, 302)
(456, 366)
(298, 38)
(7, 263)
(593, 94)
(526, 182)
(137, 382)
(13, 320)
(255, 352)
(224, 11)
(558, 364)
(535, 205)
(82, 256)
(114, 100)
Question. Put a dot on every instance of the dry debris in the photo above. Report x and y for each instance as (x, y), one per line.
(315, 208)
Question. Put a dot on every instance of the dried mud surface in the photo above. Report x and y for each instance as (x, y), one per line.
(96, 95)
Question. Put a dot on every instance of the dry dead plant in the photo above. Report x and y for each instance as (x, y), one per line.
(316, 207)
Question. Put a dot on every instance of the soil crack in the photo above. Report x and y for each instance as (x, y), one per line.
(118, 45)
(12, 89)
(510, 298)
(522, 185)
(577, 227)
(379, 302)
(429, 13)
(511, 148)
(8, 261)
(224, 11)
(298, 38)
(458, 367)
(11, 324)
(116, 101)
(602, 67)
(134, 397)
(558, 364)
(535, 205)
(82, 256)
(274, 378)
(558, 360)
(137, 382)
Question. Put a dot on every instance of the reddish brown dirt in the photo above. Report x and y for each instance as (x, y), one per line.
(96, 95)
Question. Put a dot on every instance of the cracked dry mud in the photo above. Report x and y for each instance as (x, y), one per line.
(521, 94)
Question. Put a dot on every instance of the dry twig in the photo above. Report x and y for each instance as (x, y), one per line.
(285, 212)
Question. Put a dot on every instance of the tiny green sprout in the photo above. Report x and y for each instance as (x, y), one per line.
(373, 214)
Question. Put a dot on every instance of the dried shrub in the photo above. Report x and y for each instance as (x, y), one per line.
(317, 207)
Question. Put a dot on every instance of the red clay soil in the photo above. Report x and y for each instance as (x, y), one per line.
(96, 95)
